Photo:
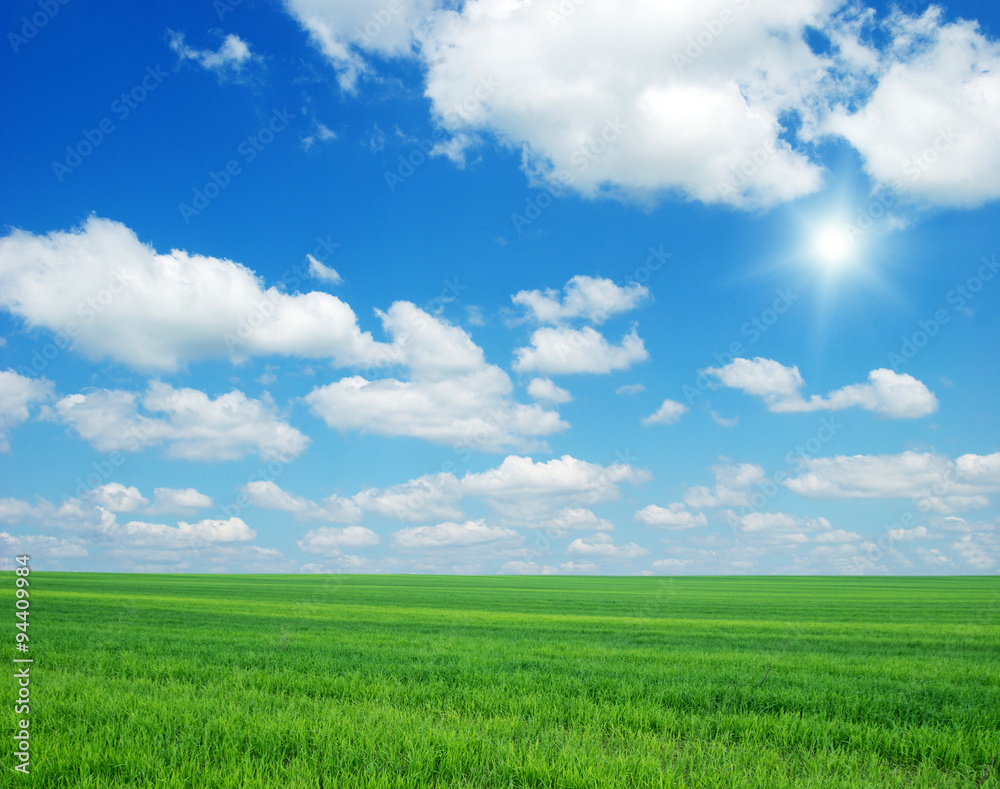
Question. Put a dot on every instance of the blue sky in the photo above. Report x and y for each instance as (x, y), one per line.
(563, 287)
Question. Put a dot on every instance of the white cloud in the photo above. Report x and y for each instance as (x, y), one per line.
(931, 127)
(268, 495)
(641, 123)
(115, 497)
(732, 486)
(981, 550)
(674, 516)
(452, 396)
(454, 535)
(601, 545)
(178, 501)
(934, 482)
(123, 301)
(592, 298)
(630, 389)
(208, 545)
(17, 392)
(904, 535)
(778, 527)
(668, 413)
(563, 350)
(837, 536)
(231, 56)
(891, 394)
(563, 522)
(430, 497)
(329, 541)
(522, 489)
(322, 272)
(41, 547)
(691, 98)
(544, 389)
(195, 427)
(344, 31)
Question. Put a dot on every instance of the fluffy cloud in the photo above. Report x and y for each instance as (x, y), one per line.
(194, 427)
(207, 545)
(732, 486)
(329, 541)
(929, 128)
(779, 526)
(691, 97)
(591, 298)
(557, 350)
(267, 495)
(41, 547)
(178, 501)
(115, 497)
(891, 394)
(674, 516)
(668, 413)
(17, 392)
(602, 546)
(544, 389)
(452, 396)
(521, 488)
(430, 497)
(344, 32)
(935, 483)
(121, 300)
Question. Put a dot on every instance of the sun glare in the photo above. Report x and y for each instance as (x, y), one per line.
(832, 247)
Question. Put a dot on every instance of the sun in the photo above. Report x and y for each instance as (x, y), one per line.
(833, 247)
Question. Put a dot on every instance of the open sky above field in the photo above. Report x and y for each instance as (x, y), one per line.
(570, 286)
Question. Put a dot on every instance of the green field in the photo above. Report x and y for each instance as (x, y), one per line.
(413, 681)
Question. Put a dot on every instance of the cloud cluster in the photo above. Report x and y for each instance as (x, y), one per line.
(935, 483)
(188, 422)
(718, 101)
(891, 394)
(450, 394)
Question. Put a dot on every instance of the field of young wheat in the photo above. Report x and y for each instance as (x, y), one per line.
(417, 681)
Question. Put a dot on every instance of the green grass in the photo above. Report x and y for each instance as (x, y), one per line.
(413, 681)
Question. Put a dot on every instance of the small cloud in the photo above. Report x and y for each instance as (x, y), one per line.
(544, 389)
(725, 422)
(667, 414)
(231, 56)
(320, 133)
(630, 389)
(322, 272)
(375, 139)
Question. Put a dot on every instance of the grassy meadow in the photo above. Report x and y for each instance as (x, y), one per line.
(422, 681)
